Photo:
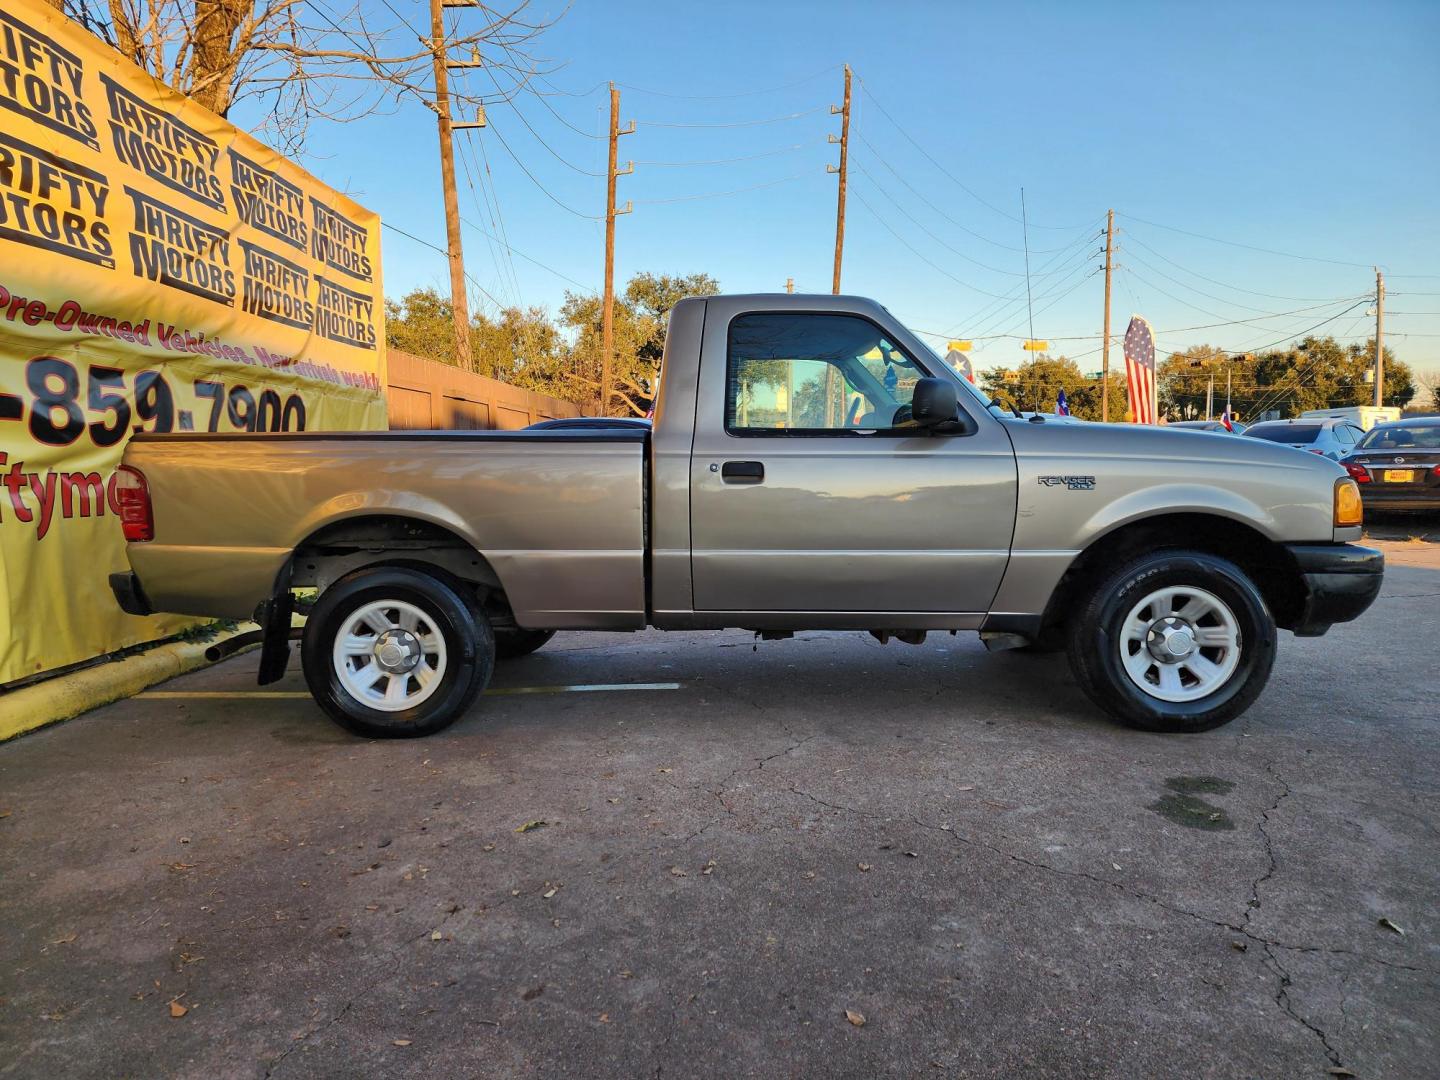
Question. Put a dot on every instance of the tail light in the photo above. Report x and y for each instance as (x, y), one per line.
(132, 495)
(1361, 475)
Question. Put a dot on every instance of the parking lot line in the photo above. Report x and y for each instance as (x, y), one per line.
(272, 695)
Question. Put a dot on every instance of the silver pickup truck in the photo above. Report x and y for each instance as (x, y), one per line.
(812, 465)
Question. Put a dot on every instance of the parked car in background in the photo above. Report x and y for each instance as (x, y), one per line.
(1330, 437)
(1235, 428)
(1397, 465)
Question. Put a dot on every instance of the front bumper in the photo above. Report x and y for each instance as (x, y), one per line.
(1340, 580)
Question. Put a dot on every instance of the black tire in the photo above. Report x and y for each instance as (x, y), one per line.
(512, 643)
(1095, 635)
(468, 642)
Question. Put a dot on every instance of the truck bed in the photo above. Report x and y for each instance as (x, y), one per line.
(559, 515)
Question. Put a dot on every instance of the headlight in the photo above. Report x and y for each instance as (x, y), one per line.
(1348, 509)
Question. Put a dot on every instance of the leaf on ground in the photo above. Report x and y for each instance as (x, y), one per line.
(177, 1010)
(1239, 946)
(864, 866)
(399, 1042)
(1388, 925)
(65, 940)
(663, 770)
(912, 854)
(6, 813)
(533, 993)
(612, 801)
(1115, 865)
(856, 1018)
(709, 868)
(530, 825)
(605, 1017)
(1339, 1070)
(488, 847)
(548, 893)
(435, 935)
(676, 871)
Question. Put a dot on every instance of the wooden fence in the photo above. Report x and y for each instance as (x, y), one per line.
(426, 395)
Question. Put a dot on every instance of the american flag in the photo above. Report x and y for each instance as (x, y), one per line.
(961, 362)
(1140, 371)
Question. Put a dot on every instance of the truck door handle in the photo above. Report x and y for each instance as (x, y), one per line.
(742, 472)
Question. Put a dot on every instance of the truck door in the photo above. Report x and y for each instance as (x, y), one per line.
(808, 492)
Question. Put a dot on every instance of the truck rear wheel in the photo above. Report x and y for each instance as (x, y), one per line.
(1174, 641)
(395, 653)
(512, 643)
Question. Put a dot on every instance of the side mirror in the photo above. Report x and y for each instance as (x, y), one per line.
(934, 402)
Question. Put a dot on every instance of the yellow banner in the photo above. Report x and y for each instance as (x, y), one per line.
(159, 271)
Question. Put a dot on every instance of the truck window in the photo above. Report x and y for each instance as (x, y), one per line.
(815, 373)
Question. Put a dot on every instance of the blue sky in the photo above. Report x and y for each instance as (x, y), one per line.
(1305, 128)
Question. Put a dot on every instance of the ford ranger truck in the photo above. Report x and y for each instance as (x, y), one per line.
(812, 465)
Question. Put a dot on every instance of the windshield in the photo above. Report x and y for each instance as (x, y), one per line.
(1286, 433)
(1418, 437)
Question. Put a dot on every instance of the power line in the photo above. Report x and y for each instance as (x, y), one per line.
(993, 313)
(553, 152)
(1216, 281)
(1249, 247)
(919, 225)
(1253, 321)
(926, 154)
(731, 124)
(921, 257)
(725, 161)
(959, 225)
(543, 189)
(436, 247)
(719, 194)
(727, 97)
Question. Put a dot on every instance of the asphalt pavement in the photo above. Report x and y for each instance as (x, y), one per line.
(812, 858)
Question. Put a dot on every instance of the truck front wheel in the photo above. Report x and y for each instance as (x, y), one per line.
(395, 653)
(1173, 641)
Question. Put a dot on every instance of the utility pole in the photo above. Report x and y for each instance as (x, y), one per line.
(1379, 336)
(607, 314)
(843, 170)
(1210, 398)
(789, 284)
(459, 306)
(1105, 342)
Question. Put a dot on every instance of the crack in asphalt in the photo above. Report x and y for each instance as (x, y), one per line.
(1137, 894)
(1284, 981)
(370, 987)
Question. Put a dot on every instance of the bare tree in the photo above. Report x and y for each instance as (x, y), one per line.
(300, 60)
(1429, 384)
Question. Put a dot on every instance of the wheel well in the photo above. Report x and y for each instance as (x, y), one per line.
(1268, 564)
(357, 543)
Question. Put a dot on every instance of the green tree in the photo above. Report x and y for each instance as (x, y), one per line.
(1317, 373)
(642, 313)
(1037, 383)
(520, 345)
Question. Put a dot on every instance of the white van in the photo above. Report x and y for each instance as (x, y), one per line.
(1362, 416)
